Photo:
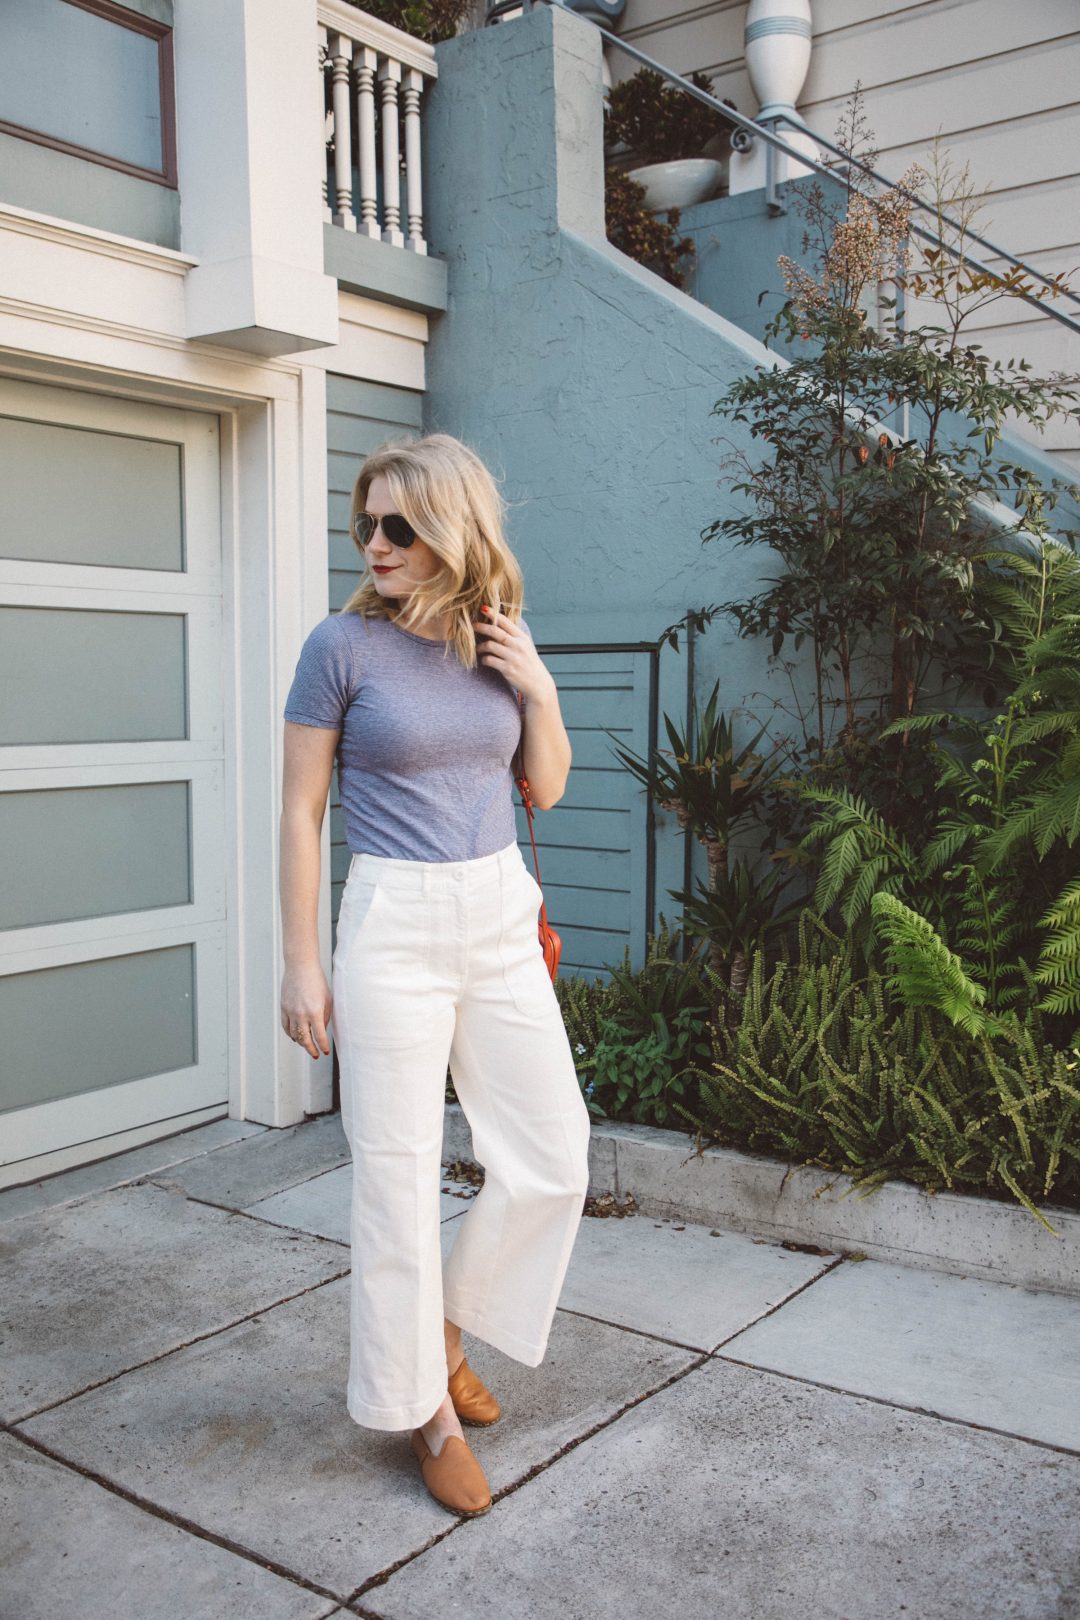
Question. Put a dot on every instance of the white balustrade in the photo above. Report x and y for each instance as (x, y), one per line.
(356, 52)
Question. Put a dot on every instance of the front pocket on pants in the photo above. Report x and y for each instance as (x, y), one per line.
(524, 968)
(356, 900)
(381, 967)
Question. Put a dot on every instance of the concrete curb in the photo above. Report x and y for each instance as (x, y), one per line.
(742, 1192)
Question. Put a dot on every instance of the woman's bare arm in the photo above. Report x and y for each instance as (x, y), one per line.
(547, 756)
(503, 646)
(307, 768)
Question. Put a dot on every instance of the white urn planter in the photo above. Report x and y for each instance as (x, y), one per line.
(777, 40)
(679, 184)
(777, 45)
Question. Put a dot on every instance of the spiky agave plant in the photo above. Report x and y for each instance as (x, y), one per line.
(716, 790)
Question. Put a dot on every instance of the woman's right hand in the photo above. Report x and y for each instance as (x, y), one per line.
(307, 1007)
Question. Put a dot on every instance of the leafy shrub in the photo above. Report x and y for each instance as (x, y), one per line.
(984, 912)
(819, 1063)
(658, 121)
(641, 235)
(431, 20)
(634, 1035)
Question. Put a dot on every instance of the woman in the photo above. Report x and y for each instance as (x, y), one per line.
(413, 688)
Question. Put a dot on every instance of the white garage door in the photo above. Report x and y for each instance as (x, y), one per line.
(112, 892)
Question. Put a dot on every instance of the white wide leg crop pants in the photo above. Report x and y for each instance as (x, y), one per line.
(439, 962)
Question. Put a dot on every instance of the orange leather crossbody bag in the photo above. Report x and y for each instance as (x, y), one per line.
(549, 939)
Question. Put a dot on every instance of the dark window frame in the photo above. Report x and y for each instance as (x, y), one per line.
(162, 33)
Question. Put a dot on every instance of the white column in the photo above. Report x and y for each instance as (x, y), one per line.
(341, 51)
(366, 60)
(250, 128)
(777, 41)
(389, 79)
(412, 90)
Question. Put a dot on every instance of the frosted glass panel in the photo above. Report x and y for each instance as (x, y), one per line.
(93, 851)
(79, 675)
(80, 78)
(74, 496)
(86, 1025)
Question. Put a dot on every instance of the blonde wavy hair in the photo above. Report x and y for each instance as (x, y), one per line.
(452, 501)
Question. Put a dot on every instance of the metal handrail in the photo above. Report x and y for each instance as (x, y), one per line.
(777, 143)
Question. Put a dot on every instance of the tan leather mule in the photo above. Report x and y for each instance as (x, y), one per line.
(455, 1477)
(473, 1401)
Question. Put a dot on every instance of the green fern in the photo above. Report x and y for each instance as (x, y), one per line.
(821, 1063)
(858, 841)
(926, 973)
(1059, 962)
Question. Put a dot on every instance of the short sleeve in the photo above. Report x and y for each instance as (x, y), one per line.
(322, 685)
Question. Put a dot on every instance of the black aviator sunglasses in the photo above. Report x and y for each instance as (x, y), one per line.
(398, 530)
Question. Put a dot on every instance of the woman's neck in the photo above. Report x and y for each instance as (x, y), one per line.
(427, 629)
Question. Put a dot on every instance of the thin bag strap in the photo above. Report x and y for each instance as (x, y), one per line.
(526, 799)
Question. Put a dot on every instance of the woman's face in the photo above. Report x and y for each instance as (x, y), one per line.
(395, 570)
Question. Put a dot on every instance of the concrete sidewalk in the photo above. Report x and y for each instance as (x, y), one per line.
(724, 1427)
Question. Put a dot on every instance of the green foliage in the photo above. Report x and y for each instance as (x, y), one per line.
(631, 1075)
(861, 855)
(717, 791)
(431, 20)
(633, 1035)
(642, 235)
(1059, 962)
(935, 1038)
(993, 882)
(659, 122)
(925, 972)
(819, 1063)
(740, 913)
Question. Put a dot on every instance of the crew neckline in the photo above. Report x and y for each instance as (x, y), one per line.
(430, 641)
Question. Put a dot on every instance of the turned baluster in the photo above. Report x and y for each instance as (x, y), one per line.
(328, 120)
(411, 90)
(340, 62)
(389, 79)
(366, 61)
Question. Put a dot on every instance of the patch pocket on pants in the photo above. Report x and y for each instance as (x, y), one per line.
(524, 968)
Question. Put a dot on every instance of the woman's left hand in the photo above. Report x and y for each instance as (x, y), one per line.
(508, 649)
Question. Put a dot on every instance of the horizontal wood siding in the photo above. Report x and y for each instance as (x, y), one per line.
(998, 81)
(594, 844)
